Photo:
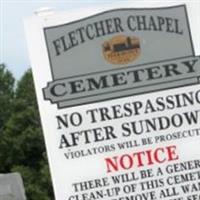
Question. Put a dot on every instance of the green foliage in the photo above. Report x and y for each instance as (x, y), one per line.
(22, 147)
(6, 95)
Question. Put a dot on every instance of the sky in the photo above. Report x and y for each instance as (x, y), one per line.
(13, 47)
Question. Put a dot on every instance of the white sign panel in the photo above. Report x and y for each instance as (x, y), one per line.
(119, 99)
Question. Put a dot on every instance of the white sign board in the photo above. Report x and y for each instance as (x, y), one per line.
(119, 99)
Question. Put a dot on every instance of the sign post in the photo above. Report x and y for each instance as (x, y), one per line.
(119, 99)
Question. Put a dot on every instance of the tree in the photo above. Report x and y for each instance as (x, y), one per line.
(22, 146)
(6, 95)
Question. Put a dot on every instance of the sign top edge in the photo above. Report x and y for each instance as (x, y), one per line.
(107, 10)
